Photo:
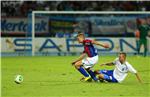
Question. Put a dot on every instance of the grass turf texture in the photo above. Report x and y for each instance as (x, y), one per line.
(56, 77)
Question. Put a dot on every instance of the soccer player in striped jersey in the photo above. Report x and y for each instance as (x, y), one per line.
(84, 64)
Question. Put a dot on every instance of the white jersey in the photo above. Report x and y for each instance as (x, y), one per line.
(121, 70)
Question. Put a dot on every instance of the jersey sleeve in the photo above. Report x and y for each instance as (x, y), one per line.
(86, 41)
(115, 61)
(131, 69)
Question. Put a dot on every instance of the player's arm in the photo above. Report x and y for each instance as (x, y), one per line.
(108, 64)
(132, 70)
(138, 77)
(100, 44)
(80, 58)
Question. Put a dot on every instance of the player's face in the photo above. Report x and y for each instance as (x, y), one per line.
(122, 58)
(80, 38)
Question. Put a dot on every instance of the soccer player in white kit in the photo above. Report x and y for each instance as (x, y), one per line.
(122, 67)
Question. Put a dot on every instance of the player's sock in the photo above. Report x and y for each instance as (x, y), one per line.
(82, 71)
(92, 74)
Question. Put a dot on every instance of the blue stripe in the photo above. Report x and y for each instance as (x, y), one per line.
(92, 51)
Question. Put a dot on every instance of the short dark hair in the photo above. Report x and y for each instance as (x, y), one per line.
(123, 53)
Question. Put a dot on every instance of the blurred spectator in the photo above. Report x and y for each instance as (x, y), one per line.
(21, 8)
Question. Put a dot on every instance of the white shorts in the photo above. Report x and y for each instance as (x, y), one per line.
(90, 62)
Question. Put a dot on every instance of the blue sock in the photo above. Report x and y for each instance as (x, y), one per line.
(82, 71)
(92, 74)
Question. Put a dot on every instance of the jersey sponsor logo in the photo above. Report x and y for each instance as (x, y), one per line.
(124, 68)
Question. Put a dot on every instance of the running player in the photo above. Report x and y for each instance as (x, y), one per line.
(89, 61)
(122, 67)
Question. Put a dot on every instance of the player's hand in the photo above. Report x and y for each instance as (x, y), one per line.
(106, 45)
(102, 64)
(73, 62)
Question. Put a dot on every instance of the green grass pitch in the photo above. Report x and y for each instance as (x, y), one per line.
(54, 76)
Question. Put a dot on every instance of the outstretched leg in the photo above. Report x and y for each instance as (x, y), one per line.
(106, 75)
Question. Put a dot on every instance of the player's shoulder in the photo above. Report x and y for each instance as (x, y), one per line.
(127, 63)
(116, 61)
(87, 40)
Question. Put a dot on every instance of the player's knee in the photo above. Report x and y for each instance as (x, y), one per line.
(101, 76)
(77, 66)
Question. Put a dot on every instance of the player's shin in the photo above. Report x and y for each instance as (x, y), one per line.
(92, 74)
(83, 72)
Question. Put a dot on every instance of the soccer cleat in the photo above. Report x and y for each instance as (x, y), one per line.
(87, 79)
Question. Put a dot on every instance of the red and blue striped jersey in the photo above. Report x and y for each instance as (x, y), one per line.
(89, 48)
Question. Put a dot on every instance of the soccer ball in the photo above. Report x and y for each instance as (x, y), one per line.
(18, 79)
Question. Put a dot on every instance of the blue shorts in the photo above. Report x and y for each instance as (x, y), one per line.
(108, 75)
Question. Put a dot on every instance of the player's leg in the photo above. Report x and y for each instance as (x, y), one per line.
(92, 74)
(78, 66)
(88, 63)
(139, 46)
(100, 76)
(145, 47)
(106, 75)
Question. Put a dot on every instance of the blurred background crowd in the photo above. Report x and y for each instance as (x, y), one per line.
(21, 8)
